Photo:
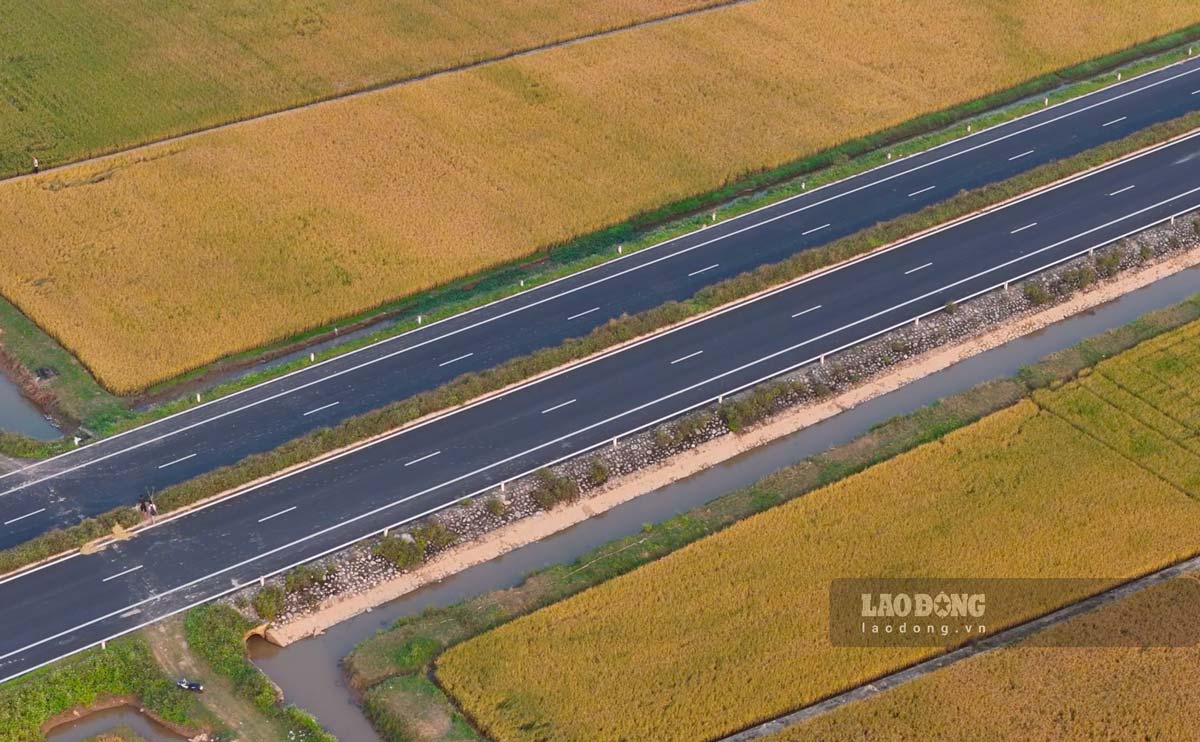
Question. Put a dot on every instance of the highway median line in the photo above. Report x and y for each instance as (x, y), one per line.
(746, 194)
(477, 388)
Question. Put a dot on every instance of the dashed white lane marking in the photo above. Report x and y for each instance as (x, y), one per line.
(814, 229)
(923, 190)
(426, 456)
(696, 273)
(176, 461)
(577, 316)
(285, 511)
(1022, 229)
(1115, 121)
(319, 409)
(806, 311)
(918, 268)
(1196, 92)
(1122, 190)
(1017, 157)
(122, 574)
(558, 406)
(689, 355)
(23, 517)
(463, 357)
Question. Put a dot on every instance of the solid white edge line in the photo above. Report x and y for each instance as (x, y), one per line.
(559, 406)
(463, 357)
(806, 311)
(1122, 190)
(321, 409)
(23, 517)
(557, 461)
(581, 314)
(285, 511)
(179, 460)
(887, 165)
(1115, 121)
(702, 270)
(689, 355)
(1022, 229)
(1017, 157)
(122, 574)
(918, 268)
(423, 458)
(697, 320)
(923, 190)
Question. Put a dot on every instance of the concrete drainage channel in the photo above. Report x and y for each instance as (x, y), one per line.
(309, 671)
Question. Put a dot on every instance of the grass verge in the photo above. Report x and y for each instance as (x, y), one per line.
(78, 398)
(410, 645)
(472, 386)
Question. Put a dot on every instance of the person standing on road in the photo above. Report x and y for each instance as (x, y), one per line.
(153, 510)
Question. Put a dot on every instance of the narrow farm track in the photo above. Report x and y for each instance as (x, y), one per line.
(82, 600)
(367, 90)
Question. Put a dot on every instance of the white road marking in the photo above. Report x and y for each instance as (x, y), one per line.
(923, 190)
(727, 235)
(423, 458)
(1122, 190)
(177, 461)
(1017, 157)
(558, 406)
(696, 273)
(122, 574)
(1196, 92)
(319, 409)
(23, 517)
(1022, 229)
(1115, 121)
(577, 316)
(285, 511)
(814, 229)
(463, 357)
(806, 311)
(689, 355)
(918, 268)
(491, 486)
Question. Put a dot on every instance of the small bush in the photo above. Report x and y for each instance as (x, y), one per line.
(554, 490)
(268, 602)
(1036, 293)
(433, 537)
(401, 553)
(597, 473)
(1109, 263)
(302, 578)
(496, 507)
(416, 653)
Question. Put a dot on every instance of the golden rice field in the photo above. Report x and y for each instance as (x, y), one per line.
(1144, 688)
(158, 261)
(156, 69)
(733, 629)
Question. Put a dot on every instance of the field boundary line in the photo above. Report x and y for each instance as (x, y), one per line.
(400, 82)
(999, 640)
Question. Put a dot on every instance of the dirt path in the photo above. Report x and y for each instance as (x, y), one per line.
(170, 648)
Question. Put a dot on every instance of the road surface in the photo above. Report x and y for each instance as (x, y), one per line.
(80, 600)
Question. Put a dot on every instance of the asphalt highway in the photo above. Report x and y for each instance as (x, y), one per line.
(81, 600)
(115, 471)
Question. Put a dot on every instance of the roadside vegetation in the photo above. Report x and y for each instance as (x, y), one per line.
(1123, 671)
(413, 643)
(644, 112)
(198, 65)
(140, 670)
